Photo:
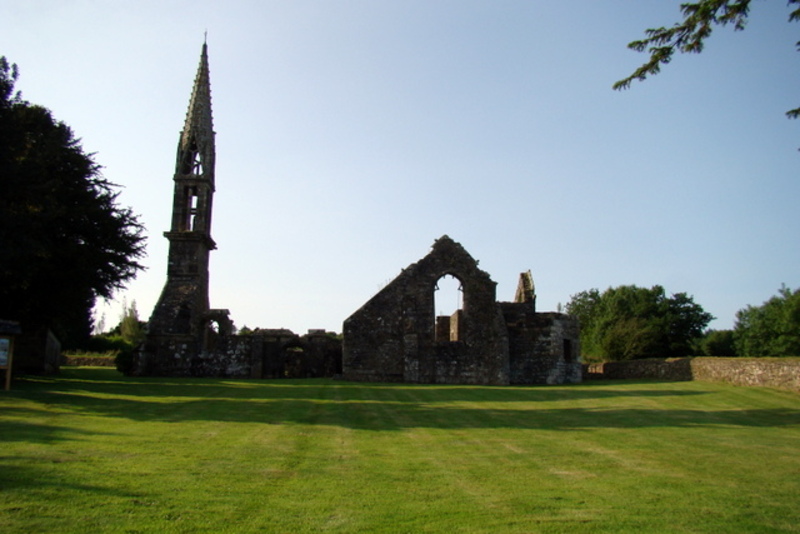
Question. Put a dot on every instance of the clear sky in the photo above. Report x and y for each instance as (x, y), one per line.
(353, 133)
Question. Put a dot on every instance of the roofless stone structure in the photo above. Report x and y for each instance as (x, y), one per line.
(397, 337)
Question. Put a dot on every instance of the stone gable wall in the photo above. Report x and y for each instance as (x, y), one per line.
(392, 337)
(395, 336)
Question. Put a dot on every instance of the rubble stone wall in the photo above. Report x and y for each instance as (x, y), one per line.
(543, 347)
(783, 373)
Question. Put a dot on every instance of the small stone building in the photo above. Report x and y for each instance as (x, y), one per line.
(396, 337)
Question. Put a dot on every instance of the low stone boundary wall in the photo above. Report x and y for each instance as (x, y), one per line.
(94, 361)
(783, 373)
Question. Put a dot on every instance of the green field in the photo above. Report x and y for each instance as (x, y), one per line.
(92, 451)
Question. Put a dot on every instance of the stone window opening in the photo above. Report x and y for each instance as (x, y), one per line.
(568, 356)
(192, 161)
(213, 330)
(192, 207)
(448, 297)
(197, 163)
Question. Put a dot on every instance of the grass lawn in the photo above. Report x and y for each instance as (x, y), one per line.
(92, 451)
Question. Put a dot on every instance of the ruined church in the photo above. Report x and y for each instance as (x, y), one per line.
(394, 337)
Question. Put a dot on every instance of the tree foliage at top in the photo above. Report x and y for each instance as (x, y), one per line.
(64, 240)
(689, 35)
(772, 329)
(629, 322)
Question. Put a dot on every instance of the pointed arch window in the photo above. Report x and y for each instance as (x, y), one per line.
(192, 163)
(197, 163)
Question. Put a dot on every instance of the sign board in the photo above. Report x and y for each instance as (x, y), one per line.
(6, 352)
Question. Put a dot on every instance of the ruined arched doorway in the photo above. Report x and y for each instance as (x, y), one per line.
(216, 326)
(211, 334)
(448, 305)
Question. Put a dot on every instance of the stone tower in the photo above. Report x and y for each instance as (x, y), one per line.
(177, 327)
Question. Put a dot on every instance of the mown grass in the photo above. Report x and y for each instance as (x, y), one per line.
(91, 450)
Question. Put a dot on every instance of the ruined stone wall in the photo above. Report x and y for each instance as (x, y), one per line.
(263, 354)
(543, 347)
(373, 348)
(283, 354)
(184, 356)
(650, 368)
(392, 337)
(783, 373)
(231, 357)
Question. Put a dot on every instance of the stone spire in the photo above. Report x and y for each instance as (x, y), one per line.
(194, 168)
(199, 126)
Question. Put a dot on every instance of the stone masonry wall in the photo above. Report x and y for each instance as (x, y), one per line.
(538, 343)
(783, 373)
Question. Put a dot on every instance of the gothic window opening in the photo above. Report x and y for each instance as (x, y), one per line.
(448, 296)
(192, 161)
(197, 164)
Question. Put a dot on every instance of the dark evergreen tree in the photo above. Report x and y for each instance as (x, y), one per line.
(64, 240)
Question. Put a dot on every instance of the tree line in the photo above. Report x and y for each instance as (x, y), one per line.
(630, 322)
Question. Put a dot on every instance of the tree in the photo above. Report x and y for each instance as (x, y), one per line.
(630, 322)
(689, 35)
(130, 327)
(64, 239)
(772, 329)
(718, 343)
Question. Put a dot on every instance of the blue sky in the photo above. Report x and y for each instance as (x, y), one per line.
(352, 134)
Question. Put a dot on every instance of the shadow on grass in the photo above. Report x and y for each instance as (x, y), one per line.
(18, 429)
(13, 475)
(107, 381)
(378, 407)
